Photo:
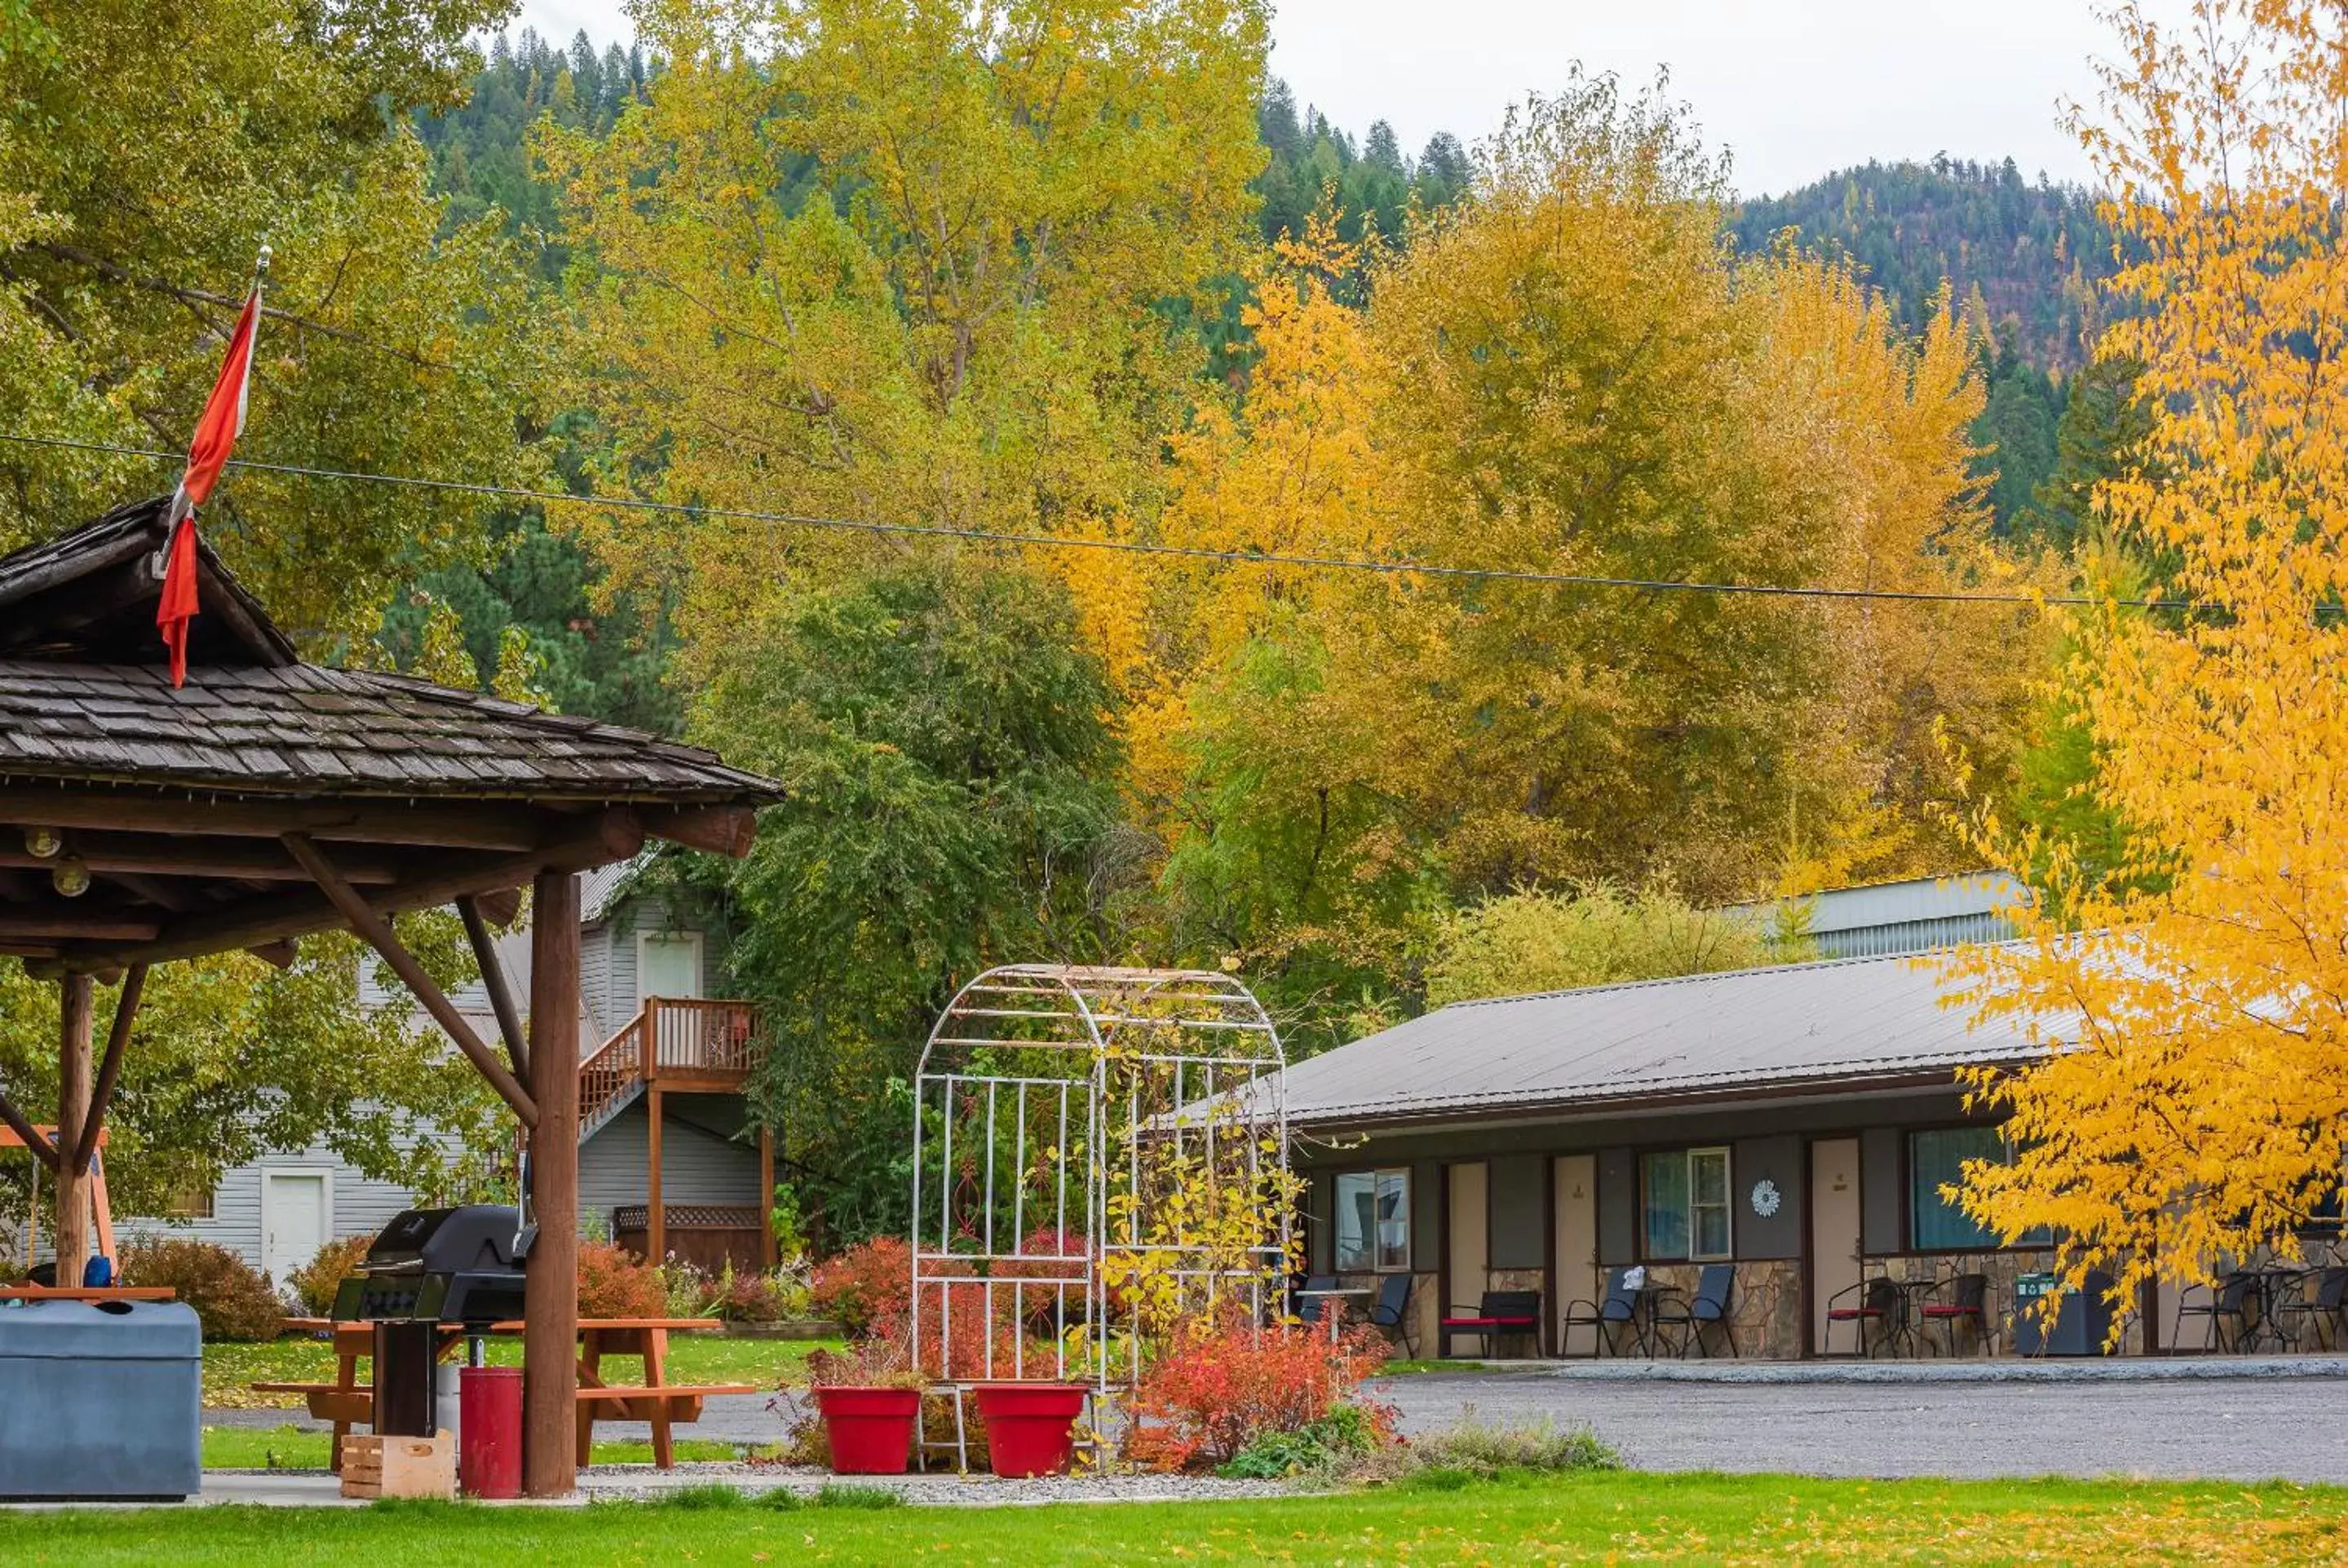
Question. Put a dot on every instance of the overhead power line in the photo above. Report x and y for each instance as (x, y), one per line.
(1122, 547)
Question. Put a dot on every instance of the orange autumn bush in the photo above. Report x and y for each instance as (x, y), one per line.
(1226, 1382)
(869, 1285)
(615, 1282)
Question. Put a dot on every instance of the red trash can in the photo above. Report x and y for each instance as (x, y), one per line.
(489, 1446)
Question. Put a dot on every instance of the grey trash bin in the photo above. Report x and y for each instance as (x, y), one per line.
(100, 1400)
(2080, 1324)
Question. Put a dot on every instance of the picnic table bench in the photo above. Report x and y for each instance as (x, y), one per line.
(346, 1402)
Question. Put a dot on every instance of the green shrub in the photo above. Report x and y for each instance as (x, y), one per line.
(1320, 1446)
(231, 1301)
(1476, 1448)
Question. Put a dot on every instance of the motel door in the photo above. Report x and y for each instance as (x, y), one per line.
(1577, 1234)
(1467, 1246)
(1834, 1227)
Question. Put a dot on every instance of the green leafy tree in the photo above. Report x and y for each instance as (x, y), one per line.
(944, 740)
(146, 153)
(231, 1058)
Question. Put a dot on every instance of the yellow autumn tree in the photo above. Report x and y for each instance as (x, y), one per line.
(2196, 994)
(904, 261)
(1570, 374)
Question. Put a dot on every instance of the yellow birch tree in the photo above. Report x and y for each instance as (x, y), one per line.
(2194, 996)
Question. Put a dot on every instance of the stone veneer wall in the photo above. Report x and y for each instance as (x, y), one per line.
(2003, 1268)
(1765, 1309)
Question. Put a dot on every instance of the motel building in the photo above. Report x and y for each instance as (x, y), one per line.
(1788, 1129)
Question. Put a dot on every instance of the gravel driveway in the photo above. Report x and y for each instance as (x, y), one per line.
(2233, 1428)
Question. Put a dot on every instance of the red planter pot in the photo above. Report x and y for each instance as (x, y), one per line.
(871, 1430)
(1030, 1427)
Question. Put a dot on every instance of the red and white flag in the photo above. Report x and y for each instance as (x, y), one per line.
(216, 433)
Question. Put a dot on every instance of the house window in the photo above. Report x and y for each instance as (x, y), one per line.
(1687, 1214)
(1373, 1222)
(189, 1204)
(1936, 1159)
(668, 964)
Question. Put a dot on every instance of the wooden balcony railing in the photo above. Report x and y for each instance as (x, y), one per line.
(707, 1043)
(701, 1037)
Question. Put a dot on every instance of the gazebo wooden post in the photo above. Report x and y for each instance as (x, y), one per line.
(76, 995)
(551, 1329)
(656, 1209)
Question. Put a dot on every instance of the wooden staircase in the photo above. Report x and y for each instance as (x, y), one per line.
(707, 1047)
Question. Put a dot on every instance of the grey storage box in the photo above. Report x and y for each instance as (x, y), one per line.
(100, 1400)
(2080, 1325)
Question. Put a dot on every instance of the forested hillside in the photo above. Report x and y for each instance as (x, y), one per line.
(2025, 257)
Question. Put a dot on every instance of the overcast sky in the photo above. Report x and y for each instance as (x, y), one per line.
(1793, 87)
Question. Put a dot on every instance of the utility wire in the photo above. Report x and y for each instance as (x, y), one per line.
(1125, 547)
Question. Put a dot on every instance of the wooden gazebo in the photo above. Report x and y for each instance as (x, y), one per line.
(268, 799)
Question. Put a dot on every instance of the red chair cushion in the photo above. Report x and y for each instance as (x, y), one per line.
(1845, 1314)
(1952, 1312)
(1489, 1322)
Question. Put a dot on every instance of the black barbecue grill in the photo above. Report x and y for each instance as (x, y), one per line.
(460, 1266)
(432, 1269)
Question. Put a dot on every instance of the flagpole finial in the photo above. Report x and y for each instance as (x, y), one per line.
(261, 262)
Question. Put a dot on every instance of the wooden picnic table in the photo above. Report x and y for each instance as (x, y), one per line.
(87, 1293)
(660, 1404)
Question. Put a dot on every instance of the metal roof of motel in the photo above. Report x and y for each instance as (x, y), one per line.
(1813, 1028)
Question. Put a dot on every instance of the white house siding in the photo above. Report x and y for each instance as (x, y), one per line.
(700, 1163)
(356, 1205)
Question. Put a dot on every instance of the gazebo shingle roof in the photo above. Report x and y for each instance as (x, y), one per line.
(84, 696)
(352, 731)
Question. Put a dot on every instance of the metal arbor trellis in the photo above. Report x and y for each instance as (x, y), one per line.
(1095, 1150)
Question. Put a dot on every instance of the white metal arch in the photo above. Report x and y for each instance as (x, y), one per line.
(1085, 1088)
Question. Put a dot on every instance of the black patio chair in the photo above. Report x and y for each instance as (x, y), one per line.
(2323, 1308)
(1877, 1303)
(2232, 1298)
(1966, 1301)
(1689, 1317)
(1309, 1306)
(1390, 1311)
(1620, 1309)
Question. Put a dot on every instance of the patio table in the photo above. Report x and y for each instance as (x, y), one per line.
(87, 1293)
(1333, 1312)
(2275, 1284)
(655, 1401)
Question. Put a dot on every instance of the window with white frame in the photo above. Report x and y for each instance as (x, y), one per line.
(1685, 1205)
(1373, 1220)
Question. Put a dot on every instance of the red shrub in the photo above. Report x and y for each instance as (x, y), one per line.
(615, 1282)
(1228, 1382)
(869, 1285)
(231, 1301)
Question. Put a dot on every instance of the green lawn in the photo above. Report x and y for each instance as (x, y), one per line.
(1622, 1516)
(230, 1370)
(292, 1448)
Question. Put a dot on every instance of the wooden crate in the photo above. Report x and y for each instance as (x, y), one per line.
(377, 1466)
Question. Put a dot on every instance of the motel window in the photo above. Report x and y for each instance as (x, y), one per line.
(1936, 1159)
(1686, 1205)
(1373, 1220)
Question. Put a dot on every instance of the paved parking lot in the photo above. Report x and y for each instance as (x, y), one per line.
(2243, 1428)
